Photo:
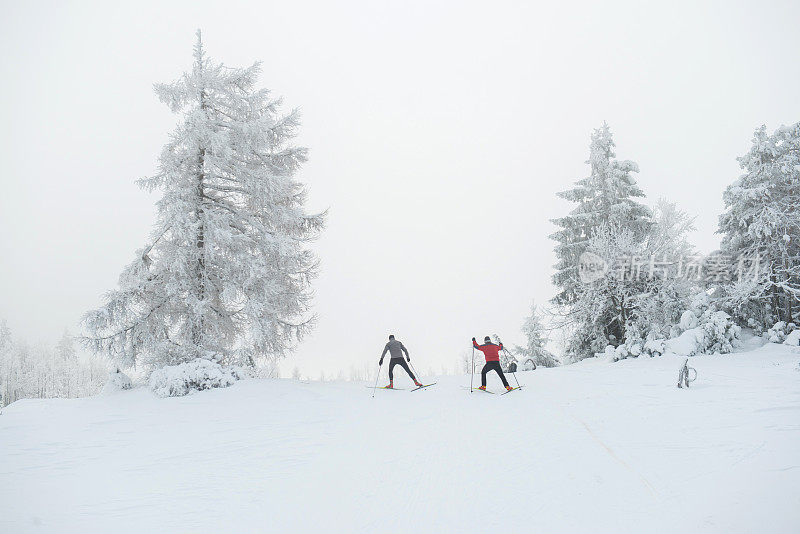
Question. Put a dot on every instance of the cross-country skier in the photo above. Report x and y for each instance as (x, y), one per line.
(492, 353)
(396, 350)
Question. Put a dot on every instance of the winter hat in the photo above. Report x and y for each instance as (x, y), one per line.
(487, 339)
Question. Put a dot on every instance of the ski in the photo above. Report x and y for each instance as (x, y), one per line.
(477, 389)
(381, 387)
(424, 386)
(492, 392)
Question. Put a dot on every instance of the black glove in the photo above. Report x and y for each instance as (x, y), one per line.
(380, 362)
(408, 358)
(473, 339)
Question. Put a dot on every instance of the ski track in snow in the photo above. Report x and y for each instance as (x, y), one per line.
(613, 454)
(591, 447)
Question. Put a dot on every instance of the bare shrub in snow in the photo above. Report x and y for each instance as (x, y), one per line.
(265, 369)
(197, 375)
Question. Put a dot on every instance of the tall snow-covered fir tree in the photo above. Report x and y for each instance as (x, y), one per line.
(606, 196)
(606, 202)
(226, 274)
(762, 220)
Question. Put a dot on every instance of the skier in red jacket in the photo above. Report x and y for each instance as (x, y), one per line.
(492, 353)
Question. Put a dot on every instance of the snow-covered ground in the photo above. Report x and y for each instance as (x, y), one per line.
(591, 447)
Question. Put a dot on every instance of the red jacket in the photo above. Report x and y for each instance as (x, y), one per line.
(490, 350)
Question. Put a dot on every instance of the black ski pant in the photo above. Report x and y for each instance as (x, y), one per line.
(493, 366)
(402, 363)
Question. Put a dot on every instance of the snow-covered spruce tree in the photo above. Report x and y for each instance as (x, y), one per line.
(605, 198)
(535, 349)
(762, 220)
(226, 274)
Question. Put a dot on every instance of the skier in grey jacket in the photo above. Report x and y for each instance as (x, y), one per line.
(396, 349)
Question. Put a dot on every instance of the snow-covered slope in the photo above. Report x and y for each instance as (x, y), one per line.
(591, 447)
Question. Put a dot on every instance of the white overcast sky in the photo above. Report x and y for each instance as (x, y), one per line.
(439, 135)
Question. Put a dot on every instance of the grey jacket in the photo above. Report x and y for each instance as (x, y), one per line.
(396, 349)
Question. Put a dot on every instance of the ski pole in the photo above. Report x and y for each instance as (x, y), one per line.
(515, 378)
(416, 374)
(472, 374)
(378, 374)
(512, 372)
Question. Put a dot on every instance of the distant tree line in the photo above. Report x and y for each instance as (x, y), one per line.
(43, 372)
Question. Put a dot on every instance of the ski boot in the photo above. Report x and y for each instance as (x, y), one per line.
(418, 383)
(390, 386)
(509, 388)
(482, 388)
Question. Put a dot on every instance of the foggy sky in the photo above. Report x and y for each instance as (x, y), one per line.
(439, 135)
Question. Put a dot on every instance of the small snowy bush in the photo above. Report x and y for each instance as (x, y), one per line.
(117, 381)
(715, 333)
(609, 354)
(650, 345)
(196, 375)
(688, 320)
(779, 331)
(688, 343)
(654, 347)
(721, 334)
(793, 339)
